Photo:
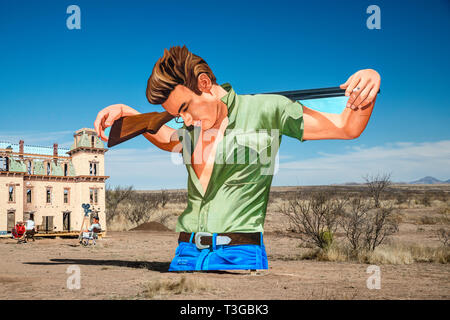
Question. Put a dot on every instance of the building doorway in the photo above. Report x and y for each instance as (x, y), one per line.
(11, 220)
(47, 224)
(66, 220)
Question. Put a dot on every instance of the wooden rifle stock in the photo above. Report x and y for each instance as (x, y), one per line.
(129, 127)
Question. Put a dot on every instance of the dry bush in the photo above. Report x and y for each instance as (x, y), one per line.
(432, 220)
(143, 206)
(314, 219)
(114, 197)
(354, 220)
(425, 200)
(401, 197)
(443, 236)
(377, 186)
(162, 217)
(164, 198)
(164, 287)
(367, 226)
(427, 220)
(444, 210)
(126, 207)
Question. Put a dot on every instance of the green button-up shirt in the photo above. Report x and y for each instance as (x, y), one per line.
(237, 194)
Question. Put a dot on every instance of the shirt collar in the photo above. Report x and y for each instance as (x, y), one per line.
(230, 100)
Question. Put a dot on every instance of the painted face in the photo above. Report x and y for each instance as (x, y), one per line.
(197, 110)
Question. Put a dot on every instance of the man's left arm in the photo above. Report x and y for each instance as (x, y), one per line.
(361, 88)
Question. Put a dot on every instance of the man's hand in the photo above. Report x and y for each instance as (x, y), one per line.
(107, 116)
(362, 87)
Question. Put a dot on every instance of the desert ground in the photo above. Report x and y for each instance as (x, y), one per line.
(134, 264)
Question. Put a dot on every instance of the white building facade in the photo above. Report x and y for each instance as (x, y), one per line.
(49, 185)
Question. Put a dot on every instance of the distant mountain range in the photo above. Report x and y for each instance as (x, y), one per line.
(424, 180)
(429, 180)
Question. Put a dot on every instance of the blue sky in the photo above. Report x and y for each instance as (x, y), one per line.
(53, 80)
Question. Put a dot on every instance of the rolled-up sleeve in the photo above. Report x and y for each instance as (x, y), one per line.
(285, 115)
(292, 120)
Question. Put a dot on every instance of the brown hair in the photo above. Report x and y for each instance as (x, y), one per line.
(177, 66)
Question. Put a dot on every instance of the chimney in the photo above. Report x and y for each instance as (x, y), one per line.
(21, 148)
(55, 150)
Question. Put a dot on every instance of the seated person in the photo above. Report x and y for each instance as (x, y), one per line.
(30, 229)
(95, 227)
(19, 230)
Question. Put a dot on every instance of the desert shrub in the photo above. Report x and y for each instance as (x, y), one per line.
(444, 210)
(443, 236)
(401, 197)
(425, 200)
(143, 205)
(161, 198)
(367, 226)
(124, 203)
(427, 220)
(114, 197)
(162, 217)
(377, 186)
(326, 238)
(315, 219)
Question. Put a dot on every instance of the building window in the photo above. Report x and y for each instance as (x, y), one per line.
(3, 164)
(65, 169)
(93, 195)
(92, 142)
(11, 194)
(93, 168)
(48, 195)
(66, 195)
(48, 168)
(29, 195)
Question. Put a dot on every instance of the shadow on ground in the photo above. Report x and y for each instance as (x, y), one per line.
(150, 265)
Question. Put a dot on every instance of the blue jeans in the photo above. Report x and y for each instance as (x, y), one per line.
(219, 257)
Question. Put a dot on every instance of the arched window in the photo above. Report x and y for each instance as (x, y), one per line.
(49, 171)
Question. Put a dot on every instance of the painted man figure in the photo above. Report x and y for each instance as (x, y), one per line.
(222, 225)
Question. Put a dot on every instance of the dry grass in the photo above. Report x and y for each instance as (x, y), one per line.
(432, 220)
(395, 253)
(164, 287)
(330, 294)
(443, 210)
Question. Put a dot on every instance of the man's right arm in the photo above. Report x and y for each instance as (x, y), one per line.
(165, 139)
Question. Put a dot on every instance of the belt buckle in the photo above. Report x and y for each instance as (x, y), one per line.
(198, 236)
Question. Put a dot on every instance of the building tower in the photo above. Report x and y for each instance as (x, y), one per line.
(88, 157)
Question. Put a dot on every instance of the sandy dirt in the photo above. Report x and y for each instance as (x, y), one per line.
(134, 264)
(124, 265)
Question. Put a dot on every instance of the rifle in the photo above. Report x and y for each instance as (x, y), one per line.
(129, 127)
